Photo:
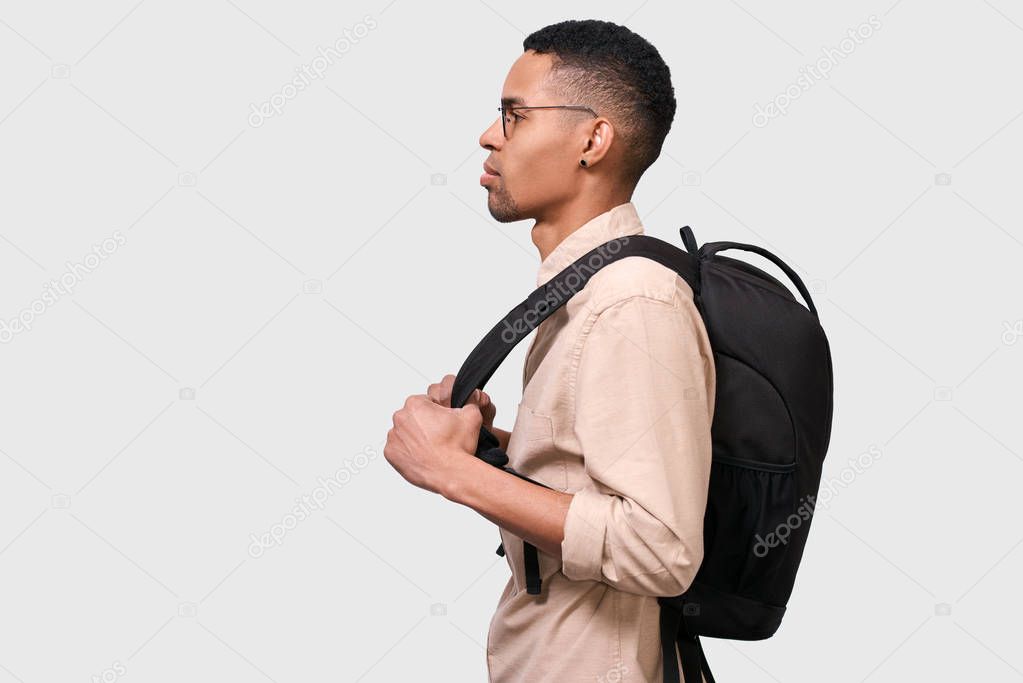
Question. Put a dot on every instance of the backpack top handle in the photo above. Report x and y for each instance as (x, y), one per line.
(711, 248)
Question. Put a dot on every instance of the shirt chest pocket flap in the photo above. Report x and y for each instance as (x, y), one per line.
(531, 448)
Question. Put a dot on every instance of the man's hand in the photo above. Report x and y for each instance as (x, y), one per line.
(440, 394)
(429, 442)
(433, 446)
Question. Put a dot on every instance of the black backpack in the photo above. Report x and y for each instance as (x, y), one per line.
(770, 432)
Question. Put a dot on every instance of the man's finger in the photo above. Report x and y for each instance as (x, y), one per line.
(472, 411)
(479, 397)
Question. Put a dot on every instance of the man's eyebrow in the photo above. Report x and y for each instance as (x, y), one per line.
(506, 101)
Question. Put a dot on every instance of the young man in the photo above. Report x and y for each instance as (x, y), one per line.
(618, 384)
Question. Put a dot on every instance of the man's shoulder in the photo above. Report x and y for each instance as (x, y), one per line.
(635, 276)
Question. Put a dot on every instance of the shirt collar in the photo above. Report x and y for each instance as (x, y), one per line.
(620, 221)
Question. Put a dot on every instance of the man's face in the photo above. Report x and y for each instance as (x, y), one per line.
(538, 165)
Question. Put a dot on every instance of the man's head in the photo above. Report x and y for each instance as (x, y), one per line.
(594, 64)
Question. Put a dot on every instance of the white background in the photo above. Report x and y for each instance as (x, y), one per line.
(281, 288)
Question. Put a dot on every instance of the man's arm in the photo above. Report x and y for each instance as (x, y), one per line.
(531, 512)
(643, 404)
(643, 414)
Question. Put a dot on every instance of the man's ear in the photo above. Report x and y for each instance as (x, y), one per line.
(600, 141)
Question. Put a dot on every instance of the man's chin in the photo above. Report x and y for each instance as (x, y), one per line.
(502, 208)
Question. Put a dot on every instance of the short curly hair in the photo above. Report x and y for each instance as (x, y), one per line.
(619, 74)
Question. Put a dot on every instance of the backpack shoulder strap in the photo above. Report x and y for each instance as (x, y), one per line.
(491, 351)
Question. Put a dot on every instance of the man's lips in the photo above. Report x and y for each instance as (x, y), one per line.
(489, 173)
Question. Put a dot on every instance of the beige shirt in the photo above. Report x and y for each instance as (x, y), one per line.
(617, 403)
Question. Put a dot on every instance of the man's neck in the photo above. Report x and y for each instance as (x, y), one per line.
(548, 232)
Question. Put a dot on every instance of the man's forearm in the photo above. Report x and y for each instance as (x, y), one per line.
(534, 513)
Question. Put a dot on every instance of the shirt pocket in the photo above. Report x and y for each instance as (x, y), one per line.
(531, 448)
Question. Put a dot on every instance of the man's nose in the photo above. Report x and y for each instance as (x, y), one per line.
(493, 137)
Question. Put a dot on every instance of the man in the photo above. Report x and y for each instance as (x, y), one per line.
(618, 384)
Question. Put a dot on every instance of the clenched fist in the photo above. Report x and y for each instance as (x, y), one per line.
(429, 444)
(440, 394)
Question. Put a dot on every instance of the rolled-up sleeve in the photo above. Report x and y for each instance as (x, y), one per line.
(643, 405)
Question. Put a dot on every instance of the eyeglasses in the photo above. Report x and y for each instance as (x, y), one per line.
(508, 118)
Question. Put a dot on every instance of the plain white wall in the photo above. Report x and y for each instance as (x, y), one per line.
(268, 288)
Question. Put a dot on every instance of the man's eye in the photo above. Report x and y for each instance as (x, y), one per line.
(517, 116)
